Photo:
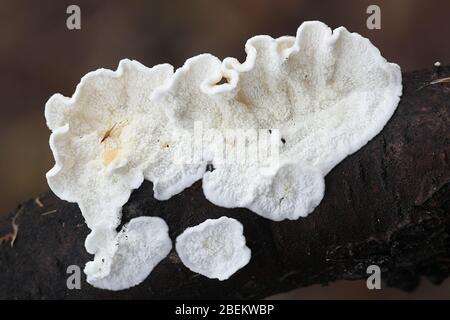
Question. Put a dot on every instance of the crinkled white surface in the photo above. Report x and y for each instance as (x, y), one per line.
(283, 191)
(110, 136)
(215, 248)
(133, 253)
(106, 140)
(327, 92)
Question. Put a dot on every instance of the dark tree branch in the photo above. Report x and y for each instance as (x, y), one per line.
(388, 204)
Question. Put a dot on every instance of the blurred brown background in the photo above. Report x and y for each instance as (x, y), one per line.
(40, 56)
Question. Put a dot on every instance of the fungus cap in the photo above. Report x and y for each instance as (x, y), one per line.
(326, 93)
(215, 248)
(134, 252)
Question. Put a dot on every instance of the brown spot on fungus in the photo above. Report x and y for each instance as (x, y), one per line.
(110, 155)
(115, 129)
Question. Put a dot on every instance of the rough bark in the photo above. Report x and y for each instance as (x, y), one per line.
(387, 204)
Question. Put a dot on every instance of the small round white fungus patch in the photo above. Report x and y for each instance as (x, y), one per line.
(283, 191)
(289, 191)
(215, 248)
(137, 249)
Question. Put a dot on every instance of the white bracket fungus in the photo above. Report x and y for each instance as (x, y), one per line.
(327, 93)
(131, 256)
(215, 248)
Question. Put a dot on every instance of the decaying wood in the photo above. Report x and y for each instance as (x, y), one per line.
(388, 204)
